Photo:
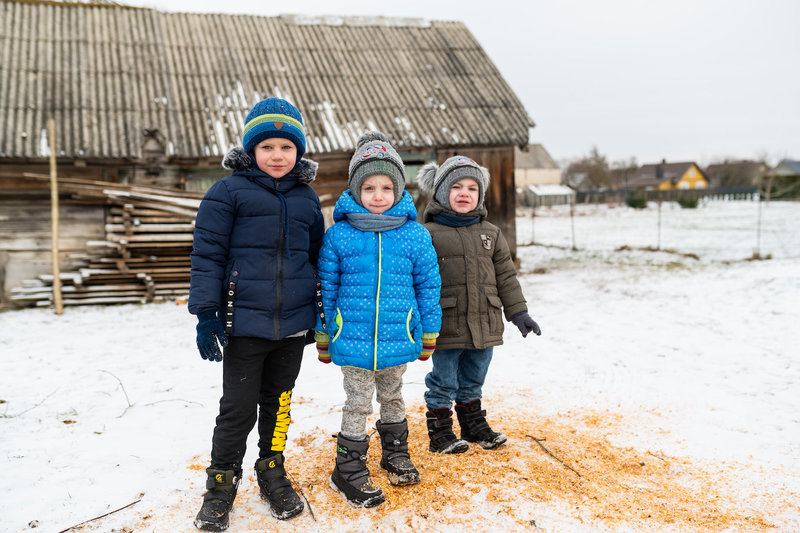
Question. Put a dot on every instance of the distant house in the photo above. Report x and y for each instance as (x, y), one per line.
(145, 97)
(783, 181)
(578, 181)
(735, 173)
(668, 176)
(787, 167)
(534, 166)
(545, 195)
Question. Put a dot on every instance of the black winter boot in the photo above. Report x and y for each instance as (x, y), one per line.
(221, 488)
(351, 476)
(440, 431)
(275, 488)
(475, 428)
(395, 458)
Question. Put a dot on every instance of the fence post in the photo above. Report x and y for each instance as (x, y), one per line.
(572, 222)
(757, 252)
(658, 247)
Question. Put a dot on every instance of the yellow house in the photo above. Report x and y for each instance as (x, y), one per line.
(669, 176)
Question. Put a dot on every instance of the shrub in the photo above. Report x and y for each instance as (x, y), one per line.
(636, 199)
(688, 201)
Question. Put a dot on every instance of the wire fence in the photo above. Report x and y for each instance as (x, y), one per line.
(716, 229)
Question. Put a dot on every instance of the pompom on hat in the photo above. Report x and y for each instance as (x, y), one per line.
(439, 179)
(274, 117)
(375, 155)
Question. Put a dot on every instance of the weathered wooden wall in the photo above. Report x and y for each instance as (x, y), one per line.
(25, 237)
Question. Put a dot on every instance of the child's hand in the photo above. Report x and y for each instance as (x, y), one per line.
(210, 334)
(322, 340)
(428, 345)
(525, 324)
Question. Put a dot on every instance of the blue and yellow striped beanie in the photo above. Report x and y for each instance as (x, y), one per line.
(274, 117)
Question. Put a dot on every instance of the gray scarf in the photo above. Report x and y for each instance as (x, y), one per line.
(373, 222)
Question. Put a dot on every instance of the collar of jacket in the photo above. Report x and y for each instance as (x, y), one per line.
(347, 204)
(434, 208)
(240, 162)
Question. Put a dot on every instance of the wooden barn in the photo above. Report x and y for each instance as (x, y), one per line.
(143, 98)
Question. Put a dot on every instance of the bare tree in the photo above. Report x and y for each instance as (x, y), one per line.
(588, 172)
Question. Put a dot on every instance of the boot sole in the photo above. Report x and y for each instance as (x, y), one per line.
(283, 515)
(491, 444)
(459, 446)
(404, 479)
(373, 501)
(210, 526)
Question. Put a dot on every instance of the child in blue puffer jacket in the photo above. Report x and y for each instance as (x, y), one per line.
(380, 293)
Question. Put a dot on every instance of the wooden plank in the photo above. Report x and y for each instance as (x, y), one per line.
(164, 238)
(149, 227)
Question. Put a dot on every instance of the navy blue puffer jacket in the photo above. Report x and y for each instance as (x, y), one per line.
(260, 237)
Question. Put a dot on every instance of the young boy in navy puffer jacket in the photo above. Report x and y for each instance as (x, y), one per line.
(256, 243)
(380, 292)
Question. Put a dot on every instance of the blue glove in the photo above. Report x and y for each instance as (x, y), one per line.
(525, 324)
(209, 331)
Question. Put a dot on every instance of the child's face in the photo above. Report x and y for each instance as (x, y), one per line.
(276, 156)
(377, 193)
(464, 195)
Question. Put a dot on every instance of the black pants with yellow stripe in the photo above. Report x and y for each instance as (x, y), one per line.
(258, 376)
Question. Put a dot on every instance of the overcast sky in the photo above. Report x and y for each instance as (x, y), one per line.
(685, 80)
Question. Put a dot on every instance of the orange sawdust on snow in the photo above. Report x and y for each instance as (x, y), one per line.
(564, 463)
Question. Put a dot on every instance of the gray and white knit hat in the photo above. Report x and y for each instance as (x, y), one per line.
(375, 155)
(439, 179)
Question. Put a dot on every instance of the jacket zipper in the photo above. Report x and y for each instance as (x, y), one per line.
(377, 307)
(276, 316)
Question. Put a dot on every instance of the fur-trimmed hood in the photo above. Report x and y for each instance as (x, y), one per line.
(305, 171)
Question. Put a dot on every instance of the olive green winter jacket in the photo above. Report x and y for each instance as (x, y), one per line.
(478, 278)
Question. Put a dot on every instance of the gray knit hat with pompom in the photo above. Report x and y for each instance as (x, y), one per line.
(375, 155)
(439, 179)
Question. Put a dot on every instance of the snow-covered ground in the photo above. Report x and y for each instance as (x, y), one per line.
(689, 365)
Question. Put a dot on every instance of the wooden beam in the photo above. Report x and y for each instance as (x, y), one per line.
(57, 301)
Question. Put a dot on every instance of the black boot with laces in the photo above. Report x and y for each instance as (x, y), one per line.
(351, 476)
(395, 458)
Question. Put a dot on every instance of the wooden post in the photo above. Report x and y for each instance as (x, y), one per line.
(572, 222)
(757, 251)
(51, 133)
(658, 245)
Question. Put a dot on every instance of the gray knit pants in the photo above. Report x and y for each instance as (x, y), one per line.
(359, 385)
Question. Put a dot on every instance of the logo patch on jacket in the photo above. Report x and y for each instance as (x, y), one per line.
(487, 241)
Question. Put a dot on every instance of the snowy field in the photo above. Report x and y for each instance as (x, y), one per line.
(667, 386)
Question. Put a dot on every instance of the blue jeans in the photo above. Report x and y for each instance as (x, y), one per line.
(457, 376)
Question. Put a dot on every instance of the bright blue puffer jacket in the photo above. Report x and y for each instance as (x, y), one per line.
(263, 235)
(380, 290)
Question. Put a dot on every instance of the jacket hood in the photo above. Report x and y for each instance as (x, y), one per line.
(237, 160)
(434, 208)
(347, 204)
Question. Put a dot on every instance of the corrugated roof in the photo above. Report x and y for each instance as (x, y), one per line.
(107, 73)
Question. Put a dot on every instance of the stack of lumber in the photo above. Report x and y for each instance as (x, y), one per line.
(145, 254)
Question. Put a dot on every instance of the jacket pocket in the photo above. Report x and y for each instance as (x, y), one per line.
(339, 321)
(449, 305)
(495, 314)
(408, 325)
